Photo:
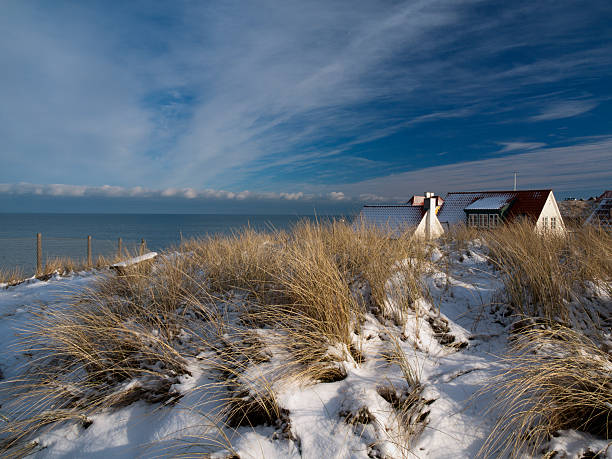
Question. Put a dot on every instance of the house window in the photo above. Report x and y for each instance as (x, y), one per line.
(483, 220)
(545, 222)
(553, 222)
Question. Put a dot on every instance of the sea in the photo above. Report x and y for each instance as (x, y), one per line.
(65, 235)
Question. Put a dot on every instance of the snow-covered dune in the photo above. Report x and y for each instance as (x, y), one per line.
(452, 342)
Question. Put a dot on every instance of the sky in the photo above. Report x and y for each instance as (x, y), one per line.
(298, 107)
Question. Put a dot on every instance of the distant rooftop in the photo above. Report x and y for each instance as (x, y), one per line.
(602, 215)
(605, 195)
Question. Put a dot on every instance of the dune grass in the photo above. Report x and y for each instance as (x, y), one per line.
(559, 373)
(242, 261)
(123, 339)
(556, 379)
(11, 276)
(544, 272)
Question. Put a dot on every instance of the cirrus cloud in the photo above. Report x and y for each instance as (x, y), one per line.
(564, 109)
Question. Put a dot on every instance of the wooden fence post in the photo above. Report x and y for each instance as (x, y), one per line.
(38, 253)
(142, 246)
(89, 251)
(119, 249)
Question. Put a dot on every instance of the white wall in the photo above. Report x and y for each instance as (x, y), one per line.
(436, 228)
(550, 210)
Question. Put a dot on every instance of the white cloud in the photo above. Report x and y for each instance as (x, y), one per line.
(292, 196)
(337, 196)
(106, 191)
(508, 147)
(66, 190)
(169, 192)
(367, 197)
(564, 109)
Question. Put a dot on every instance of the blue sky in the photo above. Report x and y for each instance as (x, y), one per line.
(281, 106)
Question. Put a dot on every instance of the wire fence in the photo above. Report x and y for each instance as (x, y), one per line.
(21, 252)
(161, 232)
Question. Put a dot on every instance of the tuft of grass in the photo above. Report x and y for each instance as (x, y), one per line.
(166, 285)
(252, 405)
(242, 261)
(62, 266)
(66, 265)
(459, 236)
(591, 248)
(557, 379)
(315, 288)
(11, 276)
(388, 268)
(102, 261)
(314, 283)
(543, 272)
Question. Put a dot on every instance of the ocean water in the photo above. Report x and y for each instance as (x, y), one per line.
(65, 235)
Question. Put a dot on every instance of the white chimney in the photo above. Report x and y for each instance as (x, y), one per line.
(430, 206)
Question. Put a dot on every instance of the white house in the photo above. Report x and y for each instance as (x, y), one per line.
(488, 209)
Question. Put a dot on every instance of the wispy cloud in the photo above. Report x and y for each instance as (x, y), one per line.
(564, 109)
(582, 166)
(508, 147)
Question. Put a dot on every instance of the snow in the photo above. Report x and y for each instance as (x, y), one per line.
(490, 203)
(135, 260)
(19, 306)
(451, 340)
(577, 444)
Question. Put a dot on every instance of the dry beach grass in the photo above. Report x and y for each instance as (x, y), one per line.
(544, 273)
(11, 276)
(558, 379)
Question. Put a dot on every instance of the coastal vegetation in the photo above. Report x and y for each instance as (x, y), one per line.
(254, 317)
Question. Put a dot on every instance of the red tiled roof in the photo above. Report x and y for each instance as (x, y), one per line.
(529, 203)
(523, 203)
